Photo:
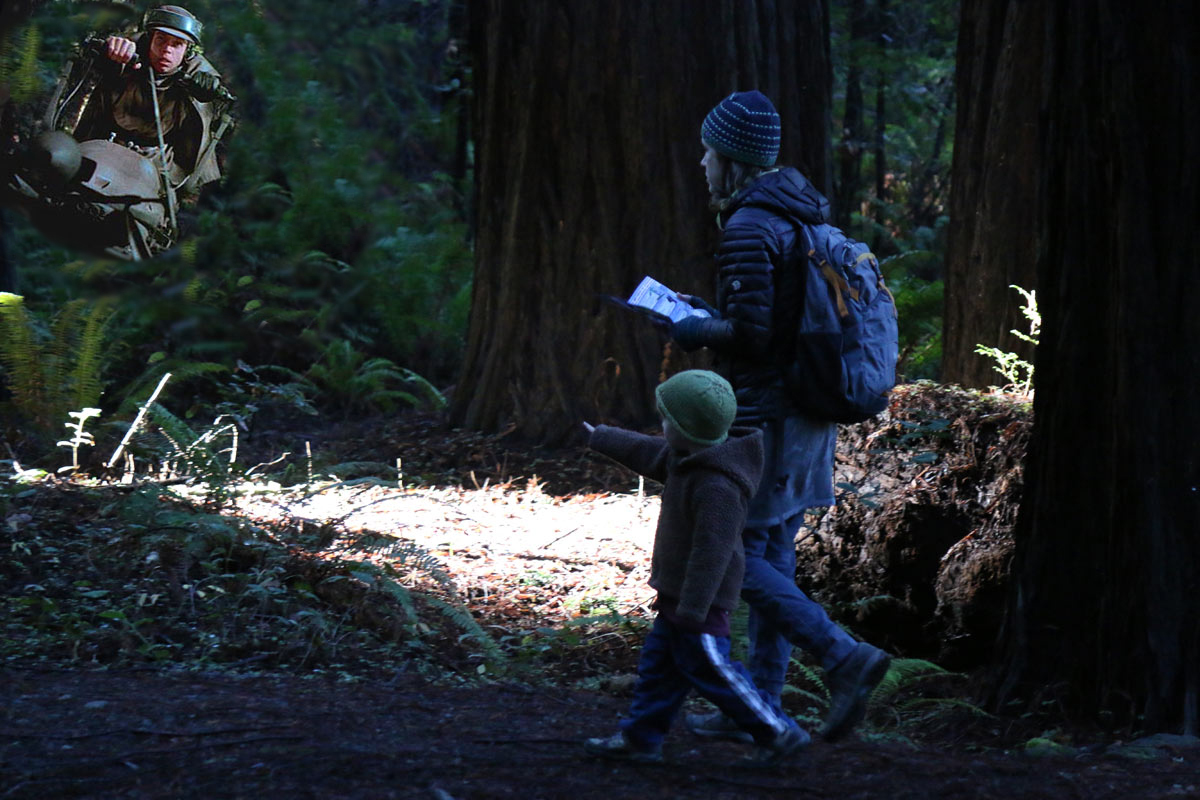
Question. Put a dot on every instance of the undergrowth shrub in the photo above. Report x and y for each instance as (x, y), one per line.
(169, 579)
(1017, 371)
(51, 368)
(919, 310)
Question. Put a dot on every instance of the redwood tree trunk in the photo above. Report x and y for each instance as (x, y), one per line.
(8, 269)
(850, 153)
(587, 118)
(1108, 540)
(993, 203)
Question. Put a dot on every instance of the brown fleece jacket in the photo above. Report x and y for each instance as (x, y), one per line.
(698, 556)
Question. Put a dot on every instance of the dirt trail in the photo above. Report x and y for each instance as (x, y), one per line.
(130, 734)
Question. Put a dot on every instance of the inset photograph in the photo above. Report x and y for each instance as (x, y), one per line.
(111, 159)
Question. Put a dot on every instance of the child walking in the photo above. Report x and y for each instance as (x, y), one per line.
(709, 473)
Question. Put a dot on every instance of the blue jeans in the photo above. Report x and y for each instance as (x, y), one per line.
(780, 614)
(672, 664)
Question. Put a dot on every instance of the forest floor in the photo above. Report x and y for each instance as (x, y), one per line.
(137, 665)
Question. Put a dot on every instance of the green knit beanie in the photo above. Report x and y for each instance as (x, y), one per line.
(699, 404)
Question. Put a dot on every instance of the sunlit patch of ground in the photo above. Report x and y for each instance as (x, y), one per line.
(556, 558)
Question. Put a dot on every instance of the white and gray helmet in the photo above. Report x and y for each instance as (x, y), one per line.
(175, 20)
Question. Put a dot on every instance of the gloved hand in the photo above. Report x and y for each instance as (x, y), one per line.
(689, 333)
(204, 86)
(696, 301)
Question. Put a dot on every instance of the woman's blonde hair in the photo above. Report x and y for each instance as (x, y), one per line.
(733, 177)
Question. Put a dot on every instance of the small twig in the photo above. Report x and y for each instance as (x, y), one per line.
(137, 421)
(560, 538)
(250, 471)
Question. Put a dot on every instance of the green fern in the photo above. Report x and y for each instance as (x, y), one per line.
(495, 658)
(20, 70)
(403, 553)
(372, 575)
(18, 351)
(193, 455)
(89, 359)
(53, 372)
(939, 705)
(383, 578)
(902, 674)
(358, 383)
(1017, 371)
(813, 677)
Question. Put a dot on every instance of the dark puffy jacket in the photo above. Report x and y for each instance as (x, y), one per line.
(748, 338)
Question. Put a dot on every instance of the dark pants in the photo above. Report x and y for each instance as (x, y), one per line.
(673, 663)
(781, 615)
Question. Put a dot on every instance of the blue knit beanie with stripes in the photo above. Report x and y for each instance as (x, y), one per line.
(744, 127)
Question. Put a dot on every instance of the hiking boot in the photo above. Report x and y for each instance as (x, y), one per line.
(619, 747)
(850, 686)
(715, 725)
(788, 743)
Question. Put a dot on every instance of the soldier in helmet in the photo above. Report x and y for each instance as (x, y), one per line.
(164, 56)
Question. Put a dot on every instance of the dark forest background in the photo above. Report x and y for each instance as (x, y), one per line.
(334, 263)
(423, 200)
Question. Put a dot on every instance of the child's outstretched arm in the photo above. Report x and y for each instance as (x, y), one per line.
(641, 453)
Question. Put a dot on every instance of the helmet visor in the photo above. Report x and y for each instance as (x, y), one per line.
(174, 23)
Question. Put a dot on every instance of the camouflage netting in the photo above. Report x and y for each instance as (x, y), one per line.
(916, 555)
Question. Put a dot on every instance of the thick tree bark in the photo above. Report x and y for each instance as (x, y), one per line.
(991, 242)
(8, 269)
(881, 88)
(850, 153)
(587, 118)
(880, 147)
(1108, 541)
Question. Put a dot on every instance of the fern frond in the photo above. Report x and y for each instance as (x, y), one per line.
(401, 595)
(412, 555)
(496, 658)
(812, 676)
(401, 554)
(85, 383)
(23, 79)
(19, 352)
(903, 672)
(57, 351)
(940, 704)
(382, 577)
(52, 373)
(192, 454)
(372, 575)
(820, 700)
(428, 391)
